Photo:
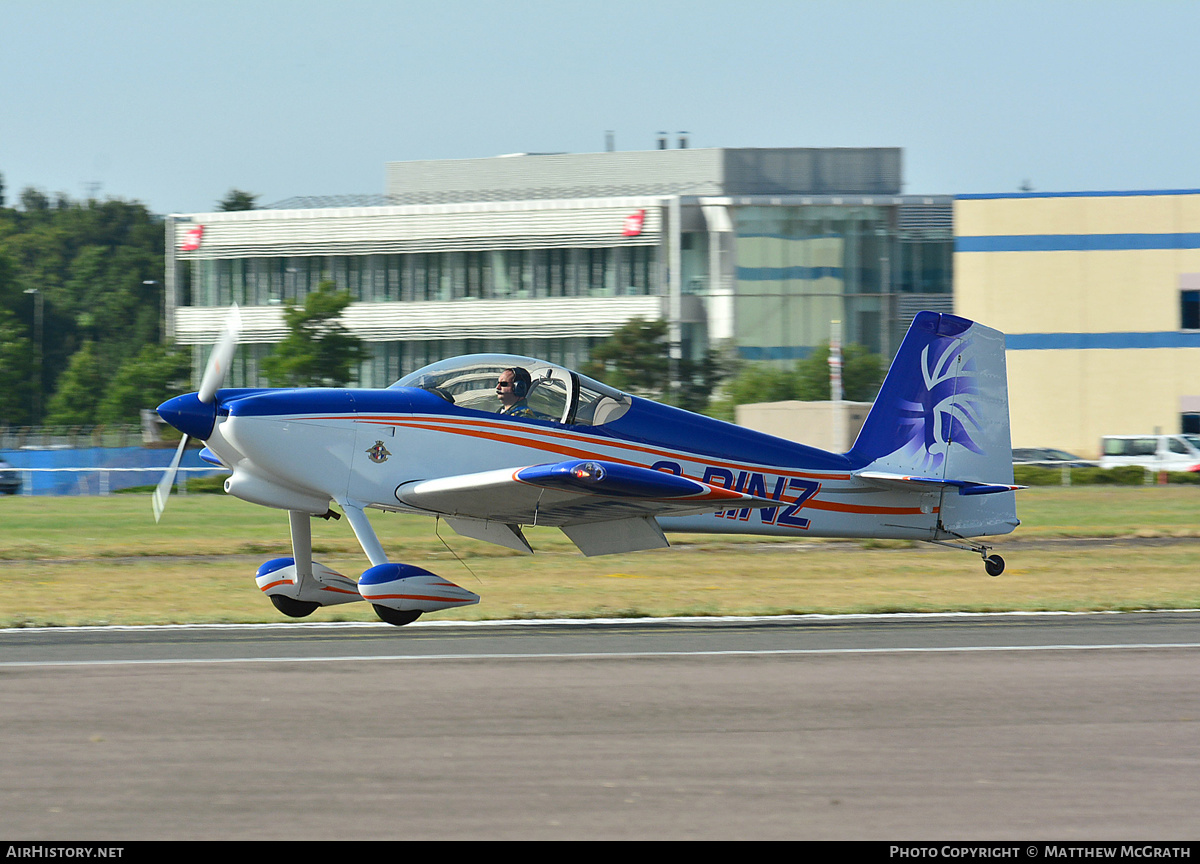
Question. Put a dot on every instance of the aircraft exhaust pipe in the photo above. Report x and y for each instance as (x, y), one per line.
(256, 490)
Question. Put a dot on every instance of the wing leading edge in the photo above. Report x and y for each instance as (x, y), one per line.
(604, 507)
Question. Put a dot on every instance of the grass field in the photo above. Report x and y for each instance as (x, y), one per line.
(104, 561)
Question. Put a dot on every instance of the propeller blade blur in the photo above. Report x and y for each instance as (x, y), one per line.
(222, 355)
(163, 489)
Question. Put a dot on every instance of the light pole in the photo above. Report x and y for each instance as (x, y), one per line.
(162, 332)
(39, 308)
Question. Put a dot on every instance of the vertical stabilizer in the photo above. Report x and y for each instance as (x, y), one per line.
(942, 413)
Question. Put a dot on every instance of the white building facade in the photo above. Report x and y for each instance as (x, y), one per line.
(752, 251)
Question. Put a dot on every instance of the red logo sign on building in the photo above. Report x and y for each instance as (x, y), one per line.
(191, 239)
(633, 223)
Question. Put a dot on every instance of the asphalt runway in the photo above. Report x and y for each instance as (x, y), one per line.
(891, 728)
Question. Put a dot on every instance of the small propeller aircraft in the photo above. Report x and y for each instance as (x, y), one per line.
(492, 443)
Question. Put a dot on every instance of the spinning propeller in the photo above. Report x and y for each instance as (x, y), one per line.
(186, 412)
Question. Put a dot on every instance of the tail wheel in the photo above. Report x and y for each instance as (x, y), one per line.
(293, 608)
(994, 565)
(394, 616)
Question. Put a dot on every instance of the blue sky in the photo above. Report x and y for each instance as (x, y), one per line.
(173, 104)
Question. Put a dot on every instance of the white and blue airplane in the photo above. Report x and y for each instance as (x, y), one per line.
(492, 443)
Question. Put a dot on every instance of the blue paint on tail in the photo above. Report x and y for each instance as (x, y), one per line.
(942, 415)
(933, 396)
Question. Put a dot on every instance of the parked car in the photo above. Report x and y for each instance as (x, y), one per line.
(1048, 457)
(10, 479)
(1156, 452)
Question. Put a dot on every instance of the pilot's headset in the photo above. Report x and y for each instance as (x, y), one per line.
(522, 381)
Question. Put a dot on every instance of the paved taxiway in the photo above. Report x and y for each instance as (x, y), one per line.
(922, 727)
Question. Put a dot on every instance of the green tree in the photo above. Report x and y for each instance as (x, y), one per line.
(862, 373)
(97, 269)
(807, 381)
(11, 295)
(318, 351)
(698, 380)
(16, 371)
(759, 382)
(236, 199)
(33, 199)
(75, 401)
(145, 381)
(637, 358)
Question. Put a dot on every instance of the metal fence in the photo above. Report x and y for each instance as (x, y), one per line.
(100, 481)
(1151, 475)
(69, 437)
(1064, 469)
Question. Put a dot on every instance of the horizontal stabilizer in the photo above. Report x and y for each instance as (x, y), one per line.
(905, 481)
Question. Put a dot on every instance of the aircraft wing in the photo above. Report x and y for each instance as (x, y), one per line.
(602, 506)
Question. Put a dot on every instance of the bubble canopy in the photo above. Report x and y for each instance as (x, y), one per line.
(556, 394)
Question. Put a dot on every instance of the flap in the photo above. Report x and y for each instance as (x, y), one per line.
(620, 535)
(492, 532)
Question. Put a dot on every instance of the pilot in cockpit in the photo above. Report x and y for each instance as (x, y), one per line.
(512, 387)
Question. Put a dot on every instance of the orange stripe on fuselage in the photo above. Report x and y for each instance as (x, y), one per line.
(438, 424)
(506, 434)
(837, 507)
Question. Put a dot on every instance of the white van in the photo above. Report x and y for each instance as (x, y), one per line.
(1156, 452)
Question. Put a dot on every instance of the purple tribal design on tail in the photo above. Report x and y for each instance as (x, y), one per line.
(944, 410)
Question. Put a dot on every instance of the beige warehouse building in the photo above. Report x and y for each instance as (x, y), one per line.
(1099, 295)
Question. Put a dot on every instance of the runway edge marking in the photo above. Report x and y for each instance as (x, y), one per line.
(588, 622)
(591, 655)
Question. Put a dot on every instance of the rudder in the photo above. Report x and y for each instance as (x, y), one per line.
(942, 414)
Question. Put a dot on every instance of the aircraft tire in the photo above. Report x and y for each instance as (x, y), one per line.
(293, 608)
(395, 616)
(994, 565)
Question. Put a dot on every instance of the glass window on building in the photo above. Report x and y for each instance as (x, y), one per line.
(693, 259)
(800, 268)
(1189, 310)
(925, 266)
(425, 276)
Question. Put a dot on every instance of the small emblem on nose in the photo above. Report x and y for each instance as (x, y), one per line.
(378, 453)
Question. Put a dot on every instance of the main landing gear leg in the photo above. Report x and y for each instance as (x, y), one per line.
(993, 564)
(364, 532)
(302, 555)
(375, 554)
